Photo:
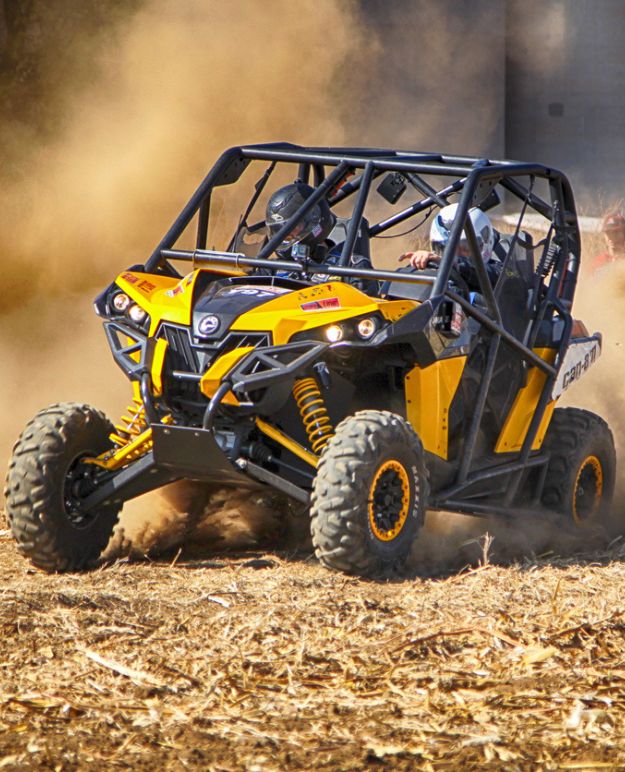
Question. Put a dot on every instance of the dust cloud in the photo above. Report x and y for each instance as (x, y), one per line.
(173, 86)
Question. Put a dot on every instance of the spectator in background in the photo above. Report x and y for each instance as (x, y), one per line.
(613, 230)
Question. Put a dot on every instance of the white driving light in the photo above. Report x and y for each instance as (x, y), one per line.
(334, 333)
(137, 314)
(366, 328)
(121, 301)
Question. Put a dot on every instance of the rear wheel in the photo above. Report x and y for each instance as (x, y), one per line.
(46, 482)
(580, 477)
(369, 495)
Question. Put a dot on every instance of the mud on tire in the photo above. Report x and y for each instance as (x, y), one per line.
(579, 484)
(45, 481)
(370, 494)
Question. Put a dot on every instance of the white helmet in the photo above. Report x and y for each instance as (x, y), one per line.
(441, 227)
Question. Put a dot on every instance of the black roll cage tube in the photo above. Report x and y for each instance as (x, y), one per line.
(472, 174)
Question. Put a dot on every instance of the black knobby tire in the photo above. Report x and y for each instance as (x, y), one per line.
(369, 495)
(579, 483)
(41, 488)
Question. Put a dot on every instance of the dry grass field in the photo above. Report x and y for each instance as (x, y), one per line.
(257, 660)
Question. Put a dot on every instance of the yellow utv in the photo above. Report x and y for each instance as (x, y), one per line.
(275, 340)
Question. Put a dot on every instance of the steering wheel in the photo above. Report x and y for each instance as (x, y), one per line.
(454, 276)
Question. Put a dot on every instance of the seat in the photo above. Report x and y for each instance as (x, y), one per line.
(338, 235)
(515, 281)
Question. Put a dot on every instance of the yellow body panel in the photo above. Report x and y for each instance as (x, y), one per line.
(285, 317)
(429, 393)
(169, 299)
(518, 420)
(163, 297)
(155, 294)
(158, 360)
(215, 374)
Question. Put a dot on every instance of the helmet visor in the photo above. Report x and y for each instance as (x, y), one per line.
(309, 224)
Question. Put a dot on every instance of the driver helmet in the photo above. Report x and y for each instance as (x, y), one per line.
(313, 227)
(441, 228)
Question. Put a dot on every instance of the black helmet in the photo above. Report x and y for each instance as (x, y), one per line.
(313, 227)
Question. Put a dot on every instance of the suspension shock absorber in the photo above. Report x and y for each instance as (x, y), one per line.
(132, 424)
(314, 413)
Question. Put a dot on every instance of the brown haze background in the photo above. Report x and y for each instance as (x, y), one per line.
(135, 109)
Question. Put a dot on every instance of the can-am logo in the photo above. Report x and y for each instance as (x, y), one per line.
(208, 324)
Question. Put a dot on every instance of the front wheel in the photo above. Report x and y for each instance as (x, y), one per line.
(579, 483)
(369, 495)
(46, 481)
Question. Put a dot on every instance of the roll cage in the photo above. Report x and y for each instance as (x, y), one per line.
(551, 288)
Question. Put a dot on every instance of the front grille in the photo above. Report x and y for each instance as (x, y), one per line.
(187, 360)
(241, 339)
(181, 355)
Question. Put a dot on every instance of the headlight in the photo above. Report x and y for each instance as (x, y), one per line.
(357, 330)
(121, 301)
(333, 333)
(136, 313)
(367, 327)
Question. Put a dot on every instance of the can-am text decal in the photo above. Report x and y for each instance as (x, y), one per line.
(578, 358)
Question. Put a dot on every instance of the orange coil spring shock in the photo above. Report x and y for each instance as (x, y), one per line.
(314, 413)
(133, 424)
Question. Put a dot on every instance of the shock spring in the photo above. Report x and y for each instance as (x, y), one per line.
(133, 424)
(314, 413)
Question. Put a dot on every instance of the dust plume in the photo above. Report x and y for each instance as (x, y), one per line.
(181, 83)
(139, 123)
(598, 302)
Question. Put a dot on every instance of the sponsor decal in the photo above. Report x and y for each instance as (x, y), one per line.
(323, 304)
(208, 324)
(146, 286)
(129, 278)
(177, 290)
(251, 291)
(579, 357)
(180, 287)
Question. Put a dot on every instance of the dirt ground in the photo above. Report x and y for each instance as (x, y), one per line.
(261, 660)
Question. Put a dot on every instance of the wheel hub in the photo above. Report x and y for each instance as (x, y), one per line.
(79, 483)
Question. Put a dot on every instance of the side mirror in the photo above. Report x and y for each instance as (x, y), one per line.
(392, 187)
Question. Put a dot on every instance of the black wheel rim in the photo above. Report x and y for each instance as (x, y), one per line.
(389, 500)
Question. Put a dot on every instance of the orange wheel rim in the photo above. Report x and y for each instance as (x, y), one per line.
(389, 500)
(588, 490)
